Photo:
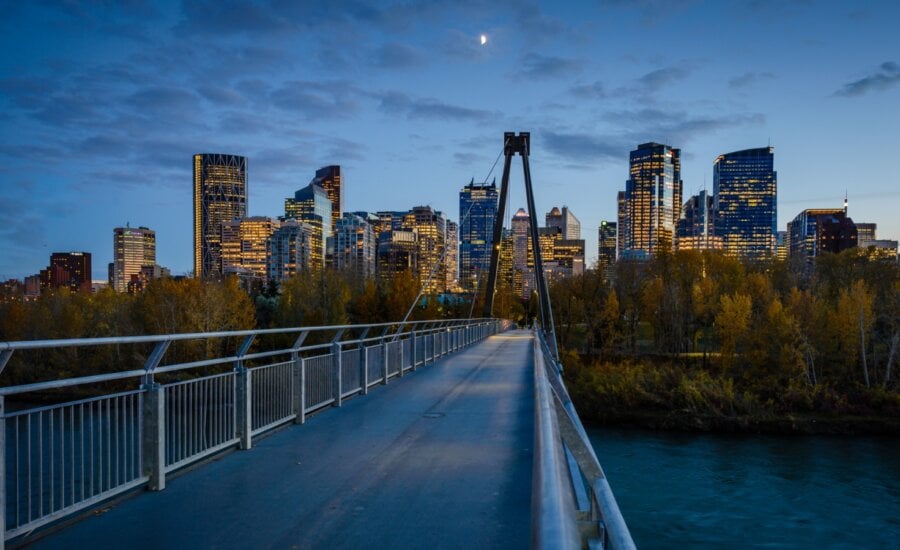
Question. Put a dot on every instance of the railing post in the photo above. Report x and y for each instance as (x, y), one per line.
(364, 367)
(154, 435)
(412, 348)
(400, 353)
(384, 361)
(297, 381)
(336, 364)
(244, 415)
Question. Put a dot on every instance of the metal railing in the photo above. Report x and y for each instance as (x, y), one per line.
(62, 458)
(572, 504)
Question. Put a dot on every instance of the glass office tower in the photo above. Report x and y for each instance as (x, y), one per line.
(652, 199)
(477, 212)
(745, 190)
(220, 195)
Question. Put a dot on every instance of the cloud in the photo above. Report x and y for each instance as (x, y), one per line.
(221, 96)
(676, 126)
(164, 98)
(393, 55)
(399, 103)
(537, 66)
(748, 79)
(596, 90)
(469, 159)
(656, 80)
(887, 76)
(464, 46)
(651, 11)
(583, 147)
(316, 100)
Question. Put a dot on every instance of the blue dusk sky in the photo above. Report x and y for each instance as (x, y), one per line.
(104, 102)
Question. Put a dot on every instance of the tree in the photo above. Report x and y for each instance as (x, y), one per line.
(732, 324)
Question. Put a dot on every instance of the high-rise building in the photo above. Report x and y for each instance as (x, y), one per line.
(818, 230)
(621, 223)
(451, 259)
(220, 195)
(312, 206)
(477, 212)
(68, 269)
(745, 187)
(568, 225)
(782, 245)
(329, 178)
(354, 247)
(133, 248)
(521, 235)
(289, 250)
(652, 199)
(695, 225)
(397, 253)
(866, 231)
(431, 237)
(607, 239)
(245, 244)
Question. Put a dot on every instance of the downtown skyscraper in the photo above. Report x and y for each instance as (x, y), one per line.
(745, 188)
(330, 179)
(312, 206)
(220, 195)
(652, 200)
(477, 212)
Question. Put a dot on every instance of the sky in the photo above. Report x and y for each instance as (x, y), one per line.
(104, 102)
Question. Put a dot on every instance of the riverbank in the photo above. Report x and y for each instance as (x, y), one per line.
(801, 424)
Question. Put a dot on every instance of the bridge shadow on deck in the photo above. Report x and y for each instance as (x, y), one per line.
(440, 458)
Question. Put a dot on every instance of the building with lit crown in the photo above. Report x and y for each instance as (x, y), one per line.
(745, 187)
(220, 195)
(133, 249)
(477, 213)
(397, 253)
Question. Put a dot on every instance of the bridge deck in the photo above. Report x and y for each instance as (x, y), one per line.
(439, 458)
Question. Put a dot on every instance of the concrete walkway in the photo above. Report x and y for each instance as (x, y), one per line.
(438, 459)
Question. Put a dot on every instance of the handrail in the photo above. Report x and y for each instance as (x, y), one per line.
(557, 519)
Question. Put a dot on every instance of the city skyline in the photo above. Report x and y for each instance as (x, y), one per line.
(403, 120)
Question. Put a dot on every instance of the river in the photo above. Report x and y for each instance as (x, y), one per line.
(726, 491)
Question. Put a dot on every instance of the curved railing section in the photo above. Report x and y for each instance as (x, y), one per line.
(62, 458)
(572, 504)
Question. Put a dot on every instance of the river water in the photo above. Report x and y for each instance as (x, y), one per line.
(680, 490)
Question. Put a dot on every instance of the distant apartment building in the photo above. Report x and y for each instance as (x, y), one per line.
(71, 270)
(745, 186)
(354, 245)
(564, 220)
(220, 195)
(816, 231)
(311, 205)
(133, 249)
(430, 228)
(245, 247)
(289, 250)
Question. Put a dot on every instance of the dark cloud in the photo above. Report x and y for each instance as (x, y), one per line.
(393, 55)
(399, 103)
(218, 17)
(27, 92)
(164, 99)
(676, 126)
(651, 11)
(887, 76)
(470, 159)
(656, 80)
(748, 79)
(537, 66)
(316, 100)
(221, 96)
(583, 147)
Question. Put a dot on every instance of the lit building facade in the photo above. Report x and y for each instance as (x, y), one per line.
(133, 248)
(695, 225)
(68, 269)
(220, 195)
(782, 245)
(745, 187)
(354, 247)
(451, 259)
(397, 253)
(289, 250)
(312, 206)
(329, 178)
(621, 223)
(430, 228)
(818, 230)
(607, 239)
(652, 199)
(245, 247)
(477, 213)
(521, 238)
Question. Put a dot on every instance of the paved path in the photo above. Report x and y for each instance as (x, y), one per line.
(440, 458)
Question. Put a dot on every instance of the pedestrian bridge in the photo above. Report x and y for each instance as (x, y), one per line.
(437, 434)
